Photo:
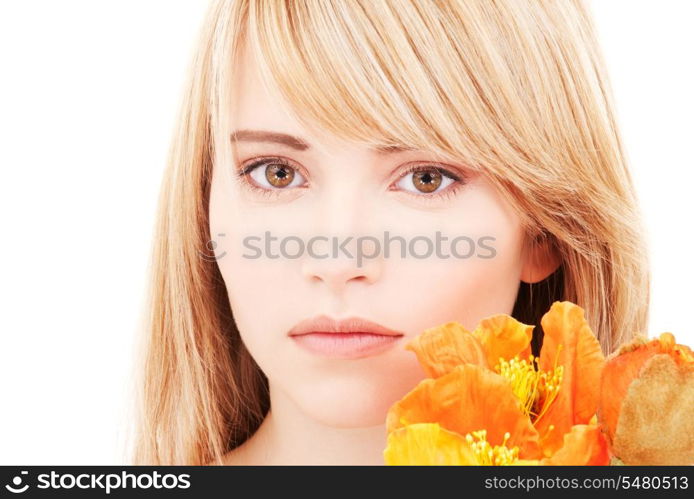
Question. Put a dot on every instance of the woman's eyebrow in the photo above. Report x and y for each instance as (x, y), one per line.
(265, 136)
(296, 143)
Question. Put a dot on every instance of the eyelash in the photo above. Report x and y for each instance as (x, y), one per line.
(448, 192)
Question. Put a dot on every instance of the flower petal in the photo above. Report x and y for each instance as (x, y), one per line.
(569, 342)
(656, 423)
(440, 349)
(621, 369)
(502, 336)
(584, 445)
(467, 399)
(625, 365)
(427, 444)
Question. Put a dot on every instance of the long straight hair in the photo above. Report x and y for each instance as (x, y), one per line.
(515, 89)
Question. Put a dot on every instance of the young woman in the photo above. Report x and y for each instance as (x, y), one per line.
(306, 123)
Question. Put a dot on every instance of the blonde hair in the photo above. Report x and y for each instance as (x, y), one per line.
(515, 89)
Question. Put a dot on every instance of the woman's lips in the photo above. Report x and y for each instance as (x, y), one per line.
(345, 345)
(349, 338)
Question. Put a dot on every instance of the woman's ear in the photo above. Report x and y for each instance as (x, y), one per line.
(540, 259)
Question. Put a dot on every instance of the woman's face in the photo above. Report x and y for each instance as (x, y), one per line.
(299, 188)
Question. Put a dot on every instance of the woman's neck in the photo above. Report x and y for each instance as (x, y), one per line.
(287, 436)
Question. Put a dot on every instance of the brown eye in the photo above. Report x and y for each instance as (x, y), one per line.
(274, 174)
(427, 181)
(279, 175)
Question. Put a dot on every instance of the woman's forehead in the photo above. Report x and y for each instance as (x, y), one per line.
(260, 114)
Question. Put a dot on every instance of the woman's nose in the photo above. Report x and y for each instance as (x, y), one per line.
(348, 249)
(338, 262)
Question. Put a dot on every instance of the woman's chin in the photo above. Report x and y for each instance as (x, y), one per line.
(348, 410)
(351, 402)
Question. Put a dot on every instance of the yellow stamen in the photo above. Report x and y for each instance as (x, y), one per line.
(544, 438)
(535, 388)
(491, 455)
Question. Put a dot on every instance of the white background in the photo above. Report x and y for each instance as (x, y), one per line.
(88, 95)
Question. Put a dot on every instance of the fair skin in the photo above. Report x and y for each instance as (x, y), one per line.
(327, 410)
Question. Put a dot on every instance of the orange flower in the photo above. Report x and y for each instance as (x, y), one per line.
(489, 396)
(647, 402)
(466, 400)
